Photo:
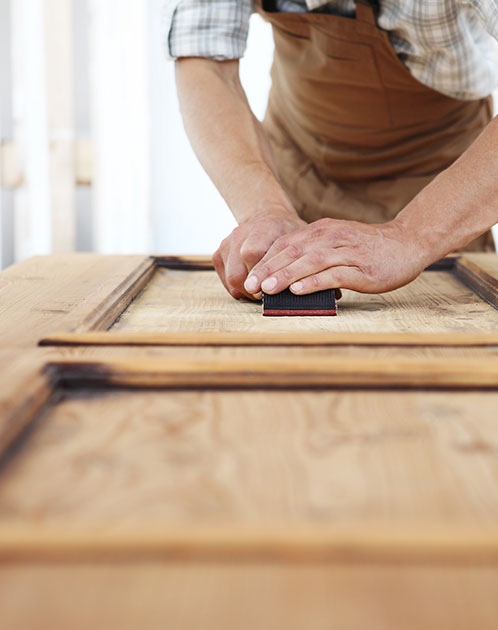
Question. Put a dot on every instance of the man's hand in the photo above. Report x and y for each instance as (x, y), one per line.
(247, 245)
(329, 254)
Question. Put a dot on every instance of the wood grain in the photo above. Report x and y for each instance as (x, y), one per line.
(418, 545)
(284, 372)
(195, 301)
(487, 262)
(359, 492)
(56, 293)
(25, 388)
(261, 459)
(101, 338)
(475, 276)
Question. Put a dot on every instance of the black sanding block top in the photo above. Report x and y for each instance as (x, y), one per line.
(287, 303)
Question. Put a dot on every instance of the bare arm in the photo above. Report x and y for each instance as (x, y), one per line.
(458, 205)
(234, 150)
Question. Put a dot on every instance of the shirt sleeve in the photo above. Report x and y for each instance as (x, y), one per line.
(487, 10)
(216, 29)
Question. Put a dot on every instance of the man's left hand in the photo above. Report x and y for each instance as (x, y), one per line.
(331, 254)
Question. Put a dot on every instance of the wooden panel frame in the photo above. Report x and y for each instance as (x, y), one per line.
(92, 330)
(35, 384)
(33, 381)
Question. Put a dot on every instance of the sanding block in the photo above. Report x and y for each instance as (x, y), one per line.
(287, 303)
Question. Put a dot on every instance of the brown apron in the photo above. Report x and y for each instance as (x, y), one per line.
(354, 134)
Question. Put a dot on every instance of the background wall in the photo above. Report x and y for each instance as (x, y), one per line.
(93, 155)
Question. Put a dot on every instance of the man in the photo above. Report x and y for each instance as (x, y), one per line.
(377, 155)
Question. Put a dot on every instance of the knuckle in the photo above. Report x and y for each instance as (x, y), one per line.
(317, 231)
(314, 282)
(217, 260)
(281, 243)
(317, 257)
(319, 227)
(368, 269)
(235, 278)
(250, 252)
(285, 273)
(264, 270)
(225, 244)
(294, 250)
(237, 233)
(342, 233)
(338, 279)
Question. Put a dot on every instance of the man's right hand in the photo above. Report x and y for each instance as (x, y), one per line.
(247, 244)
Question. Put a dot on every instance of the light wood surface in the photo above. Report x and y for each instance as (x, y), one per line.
(231, 486)
(257, 458)
(480, 276)
(284, 372)
(237, 339)
(190, 596)
(25, 389)
(57, 293)
(434, 303)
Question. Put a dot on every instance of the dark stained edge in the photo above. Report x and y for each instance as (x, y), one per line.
(444, 264)
(479, 281)
(186, 263)
(287, 375)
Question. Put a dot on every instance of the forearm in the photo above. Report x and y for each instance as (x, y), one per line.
(460, 204)
(228, 139)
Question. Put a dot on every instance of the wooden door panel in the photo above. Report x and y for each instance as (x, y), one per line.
(226, 487)
(195, 301)
(59, 292)
(159, 459)
(264, 507)
(182, 302)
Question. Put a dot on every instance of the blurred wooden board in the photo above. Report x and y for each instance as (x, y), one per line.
(225, 596)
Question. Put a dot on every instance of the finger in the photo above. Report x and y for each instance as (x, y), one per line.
(270, 264)
(303, 239)
(219, 265)
(263, 235)
(308, 265)
(236, 274)
(220, 258)
(340, 276)
(255, 247)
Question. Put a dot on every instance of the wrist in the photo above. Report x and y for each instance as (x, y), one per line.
(415, 240)
(281, 212)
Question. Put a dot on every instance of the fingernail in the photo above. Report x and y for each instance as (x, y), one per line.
(251, 284)
(269, 284)
(297, 286)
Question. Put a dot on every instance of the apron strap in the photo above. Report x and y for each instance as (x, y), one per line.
(365, 11)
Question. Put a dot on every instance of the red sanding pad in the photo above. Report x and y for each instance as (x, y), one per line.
(287, 304)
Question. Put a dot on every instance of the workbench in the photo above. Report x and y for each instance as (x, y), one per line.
(170, 458)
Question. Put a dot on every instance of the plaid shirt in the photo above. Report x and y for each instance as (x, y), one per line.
(448, 45)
